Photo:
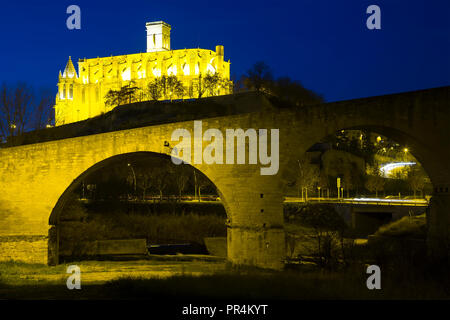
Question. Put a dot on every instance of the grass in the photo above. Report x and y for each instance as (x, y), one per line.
(248, 284)
(412, 227)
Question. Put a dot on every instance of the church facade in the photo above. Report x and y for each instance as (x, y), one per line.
(81, 95)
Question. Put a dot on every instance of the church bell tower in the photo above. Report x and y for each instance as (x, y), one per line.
(158, 36)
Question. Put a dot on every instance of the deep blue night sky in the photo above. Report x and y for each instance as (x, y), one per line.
(323, 43)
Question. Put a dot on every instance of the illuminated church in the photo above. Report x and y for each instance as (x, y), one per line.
(82, 95)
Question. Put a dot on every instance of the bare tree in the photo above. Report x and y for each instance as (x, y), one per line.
(417, 179)
(259, 77)
(160, 177)
(202, 182)
(181, 178)
(144, 182)
(375, 181)
(308, 175)
(43, 115)
(16, 105)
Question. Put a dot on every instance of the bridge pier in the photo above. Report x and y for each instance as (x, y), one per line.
(438, 220)
(255, 234)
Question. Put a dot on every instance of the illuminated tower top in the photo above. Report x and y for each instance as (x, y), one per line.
(158, 36)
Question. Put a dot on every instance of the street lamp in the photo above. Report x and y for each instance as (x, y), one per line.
(405, 150)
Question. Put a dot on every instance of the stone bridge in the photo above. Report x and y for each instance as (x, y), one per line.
(35, 179)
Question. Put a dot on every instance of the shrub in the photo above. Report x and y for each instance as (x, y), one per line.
(412, 227)
(328, 229)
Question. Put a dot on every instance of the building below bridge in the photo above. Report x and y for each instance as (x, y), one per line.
(81, 95)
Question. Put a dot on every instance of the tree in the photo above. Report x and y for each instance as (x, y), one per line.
(19, 111)
(294, 92)
(347, 180)
(126, 94)
(329, 228)
(202, 182)
(174, 87)
(200, 86)
(308, 175)
(417, 179)
(15, 107)
(323, 181)
(212, 84)
(181, 178)
(166, 86)
(43, 115)
(259, 77)
(375, 182)
(160, 177)
(156, 88)
(144, 182)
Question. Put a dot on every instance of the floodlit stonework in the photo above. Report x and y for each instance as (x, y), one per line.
(81, 95)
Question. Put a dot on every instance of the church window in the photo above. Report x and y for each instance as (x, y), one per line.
(197, 68)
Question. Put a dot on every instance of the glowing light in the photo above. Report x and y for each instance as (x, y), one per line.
(389, 200)
(141, 74)
(387, 168)
(405, 150)
(378, 139)
(156, 72)
(210, 69)
(126, 74)
(172, 70)
(186, 70)
(197, 69)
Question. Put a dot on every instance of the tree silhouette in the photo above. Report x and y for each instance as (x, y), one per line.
(21, 110)
(375, 182)
(126, 94)
(294, 92)
(417, 179)
(259, 77)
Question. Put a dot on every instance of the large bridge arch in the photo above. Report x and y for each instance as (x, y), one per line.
(62, 200)
(420, 120)
(54, 218)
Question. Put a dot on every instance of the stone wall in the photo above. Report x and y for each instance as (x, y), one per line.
(29, 249)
